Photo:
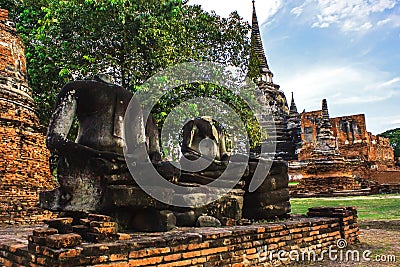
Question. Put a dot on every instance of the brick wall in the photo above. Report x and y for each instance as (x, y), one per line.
(354, 141)
(226, 246)
(24, 170)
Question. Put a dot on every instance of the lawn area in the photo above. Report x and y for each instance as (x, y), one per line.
(379, 207)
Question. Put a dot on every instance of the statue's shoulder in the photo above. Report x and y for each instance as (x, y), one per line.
(85, 84)
(75, 87)
(86, 87)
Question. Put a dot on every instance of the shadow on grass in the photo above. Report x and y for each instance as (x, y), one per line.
(393, 225)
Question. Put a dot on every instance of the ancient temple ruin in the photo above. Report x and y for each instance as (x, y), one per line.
(366, 161)
(272, 198)
(82, 239)
(326, 171)
(353, 139)
(24, 166)
(95, 177)
(276, 99)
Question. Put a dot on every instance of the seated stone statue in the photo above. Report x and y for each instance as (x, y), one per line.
(206, 130)
(94, 176)
(96, 157)
(204, 138)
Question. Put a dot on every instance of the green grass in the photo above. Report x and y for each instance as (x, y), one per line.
(293, 183)
(380, 207)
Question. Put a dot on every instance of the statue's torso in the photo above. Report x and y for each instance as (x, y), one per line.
(100, 112)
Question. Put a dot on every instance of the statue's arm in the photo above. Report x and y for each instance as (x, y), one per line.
(222, 146)
(60, 124)
(187, 137)
(135, 132)
(153, 139)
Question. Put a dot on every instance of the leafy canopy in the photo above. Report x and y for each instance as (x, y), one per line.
(394, 136)
(131, 41)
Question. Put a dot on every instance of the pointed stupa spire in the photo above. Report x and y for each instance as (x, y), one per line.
(325, 124)
(294, 128)
(257, 41)
(325, 114)
(326, 142)
(293, 107)
(257, 56)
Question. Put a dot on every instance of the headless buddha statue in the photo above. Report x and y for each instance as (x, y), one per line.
(96, 157)
(204, 138)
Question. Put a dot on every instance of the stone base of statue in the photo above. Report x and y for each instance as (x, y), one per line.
(271, 199)
(84, 190)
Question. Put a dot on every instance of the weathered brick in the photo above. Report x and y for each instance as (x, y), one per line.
(59, 221)
(24, 165)
(173, 257)
(43, 232)
(209, 251)
(121, 236)
(63, 240)
(104, 230)
(191, 254)
(198, 246)
(145, 261)
(102, 224)
(99, 218)
(118, 257)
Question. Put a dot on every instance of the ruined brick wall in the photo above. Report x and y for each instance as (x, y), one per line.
(309, 122)
(349, 129)
(24, 167)
(354, 141)
(381, 152)
(199, 247)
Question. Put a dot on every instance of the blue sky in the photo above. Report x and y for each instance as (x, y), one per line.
(347, 51)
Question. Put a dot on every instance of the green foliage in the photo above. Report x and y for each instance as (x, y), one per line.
(130, 40)
(212, 91)
(394, 136)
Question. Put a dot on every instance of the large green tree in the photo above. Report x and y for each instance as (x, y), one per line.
(131, 40)
(394, 136)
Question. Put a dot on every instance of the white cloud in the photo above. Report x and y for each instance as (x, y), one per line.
(392, 20)
(383, 22)
(391, 82)
(382, 123)
(297, 11)
(343, 84)
(265, 9)
(348, 15)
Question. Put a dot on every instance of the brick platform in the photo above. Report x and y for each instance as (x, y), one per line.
(226, 246)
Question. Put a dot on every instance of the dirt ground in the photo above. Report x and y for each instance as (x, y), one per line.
(382, 238)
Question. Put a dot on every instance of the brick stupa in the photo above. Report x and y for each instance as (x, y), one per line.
(24, 168)
(327, 172)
